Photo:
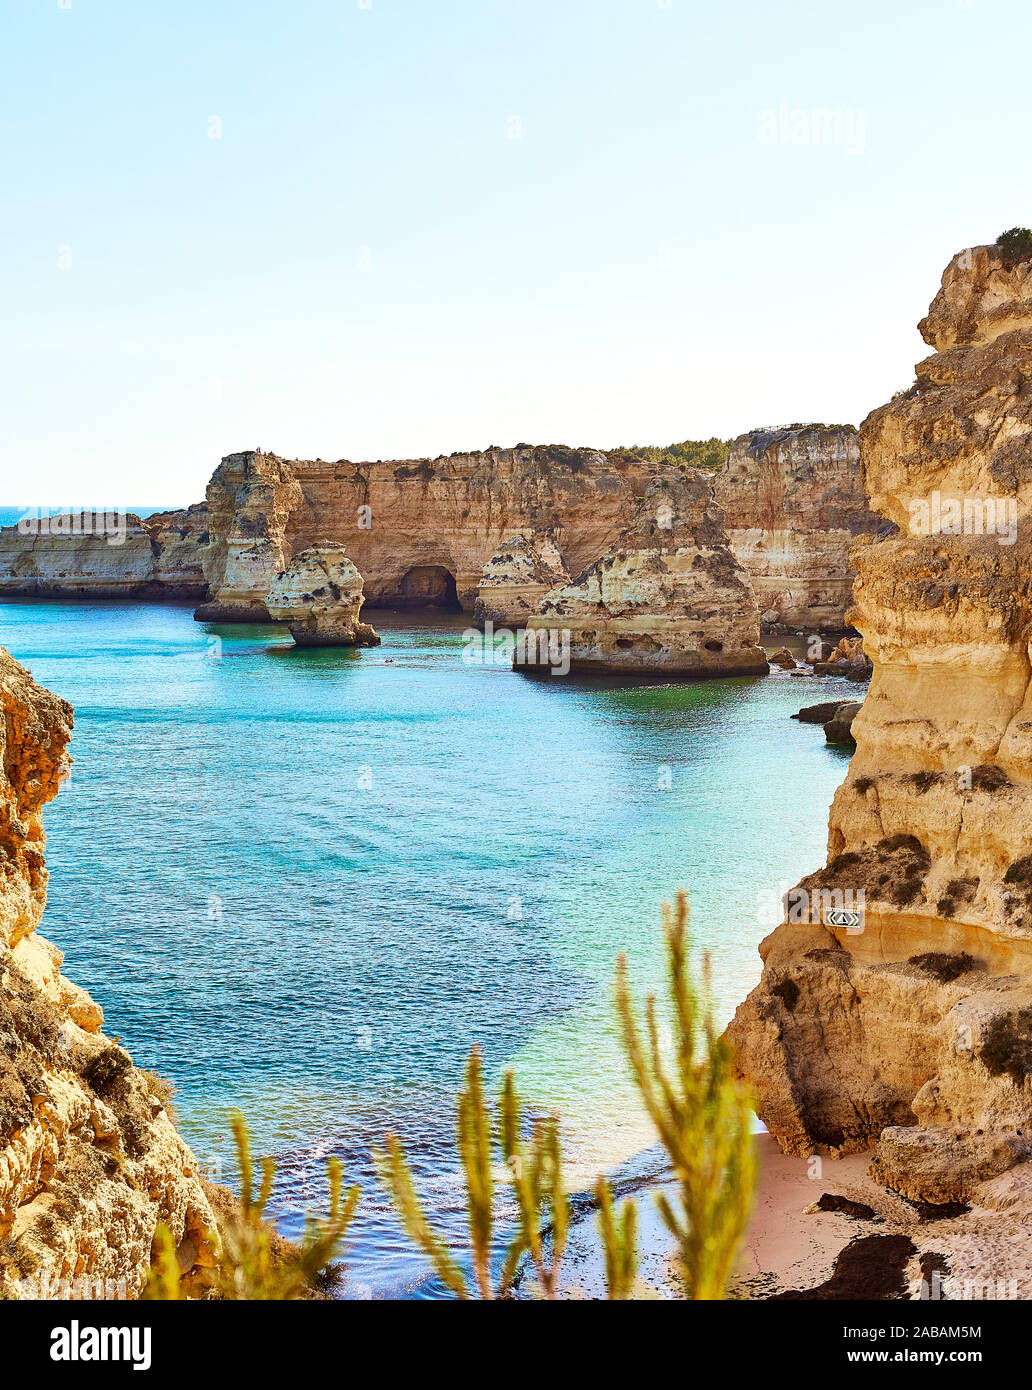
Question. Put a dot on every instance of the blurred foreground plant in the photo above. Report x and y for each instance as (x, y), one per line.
(703, 1118)
(702, 1114)
(249, 1269)
(537, 1184)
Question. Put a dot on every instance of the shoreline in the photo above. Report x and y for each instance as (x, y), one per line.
(876, 1246)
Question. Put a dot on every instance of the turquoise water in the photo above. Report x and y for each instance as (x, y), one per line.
(304, 882)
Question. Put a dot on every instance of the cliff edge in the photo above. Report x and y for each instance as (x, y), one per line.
(895, 1006)
(90, 1161)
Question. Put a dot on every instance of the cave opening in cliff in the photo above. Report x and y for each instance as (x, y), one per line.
(428, 586)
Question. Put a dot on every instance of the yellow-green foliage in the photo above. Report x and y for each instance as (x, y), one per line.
(247, 1269)
(710, 454)
(536, 1174)
(702, 1115)
(619, 1232)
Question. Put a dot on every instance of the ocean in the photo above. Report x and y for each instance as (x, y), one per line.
(303, 883)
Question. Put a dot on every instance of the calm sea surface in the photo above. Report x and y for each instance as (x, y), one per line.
(303, 883)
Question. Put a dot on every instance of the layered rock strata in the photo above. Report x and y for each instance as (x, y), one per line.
(106, 555)
(794, 504)
(895, 1007)
(516, 579)
(504, 525)
(90, 1161)
(320, 595)
(668, 595)
(420, 531)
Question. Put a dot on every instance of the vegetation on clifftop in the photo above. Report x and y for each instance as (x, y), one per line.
(1016, 244)
(709, 454)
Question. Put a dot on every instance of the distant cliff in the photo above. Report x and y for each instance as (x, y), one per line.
(501, 526)
(794, 505)
(97, 556)
(667, 595)
(420, 531)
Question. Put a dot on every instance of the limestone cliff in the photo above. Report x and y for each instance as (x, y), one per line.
(320, 595)
(251, 497)
(517, 577)
(90, 1161)
(908, 1025)
(794, 504)
(107, 555)
(668, 595)
(499, 525)
(419, 531)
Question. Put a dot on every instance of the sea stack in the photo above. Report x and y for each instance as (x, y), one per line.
(794, 504)
(320, 595)
(250, 499)
(517, 577)
(895, 1007)
(90, 1160)
(667, 596)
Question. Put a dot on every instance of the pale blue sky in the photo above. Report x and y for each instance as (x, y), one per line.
(367, 264)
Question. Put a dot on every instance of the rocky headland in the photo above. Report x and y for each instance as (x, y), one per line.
(90, 1160)
(107, 555)
(668, 595)
(794, 503)
(419, 531)
(319, 595)
(894, 1013)
(491, 531)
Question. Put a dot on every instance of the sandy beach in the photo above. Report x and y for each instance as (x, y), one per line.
(822, 1229)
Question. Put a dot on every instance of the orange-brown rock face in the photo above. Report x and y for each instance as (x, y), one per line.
(668, 595)
(90, 1161)
(910, 1027)
(794, 505)
(419, 531)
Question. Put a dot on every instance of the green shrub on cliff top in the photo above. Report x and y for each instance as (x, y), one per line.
(1016, 244)
(710, 454)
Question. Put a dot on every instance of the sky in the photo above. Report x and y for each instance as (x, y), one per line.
(399, 228)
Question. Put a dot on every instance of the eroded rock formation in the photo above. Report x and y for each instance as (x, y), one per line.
(912, 1030)
(107, 555)
(668, 595)
(90, 1161)
(419, 531)
(250, 499)
(517, 577)
(320, 595)
(501, 525)
(794, 505)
